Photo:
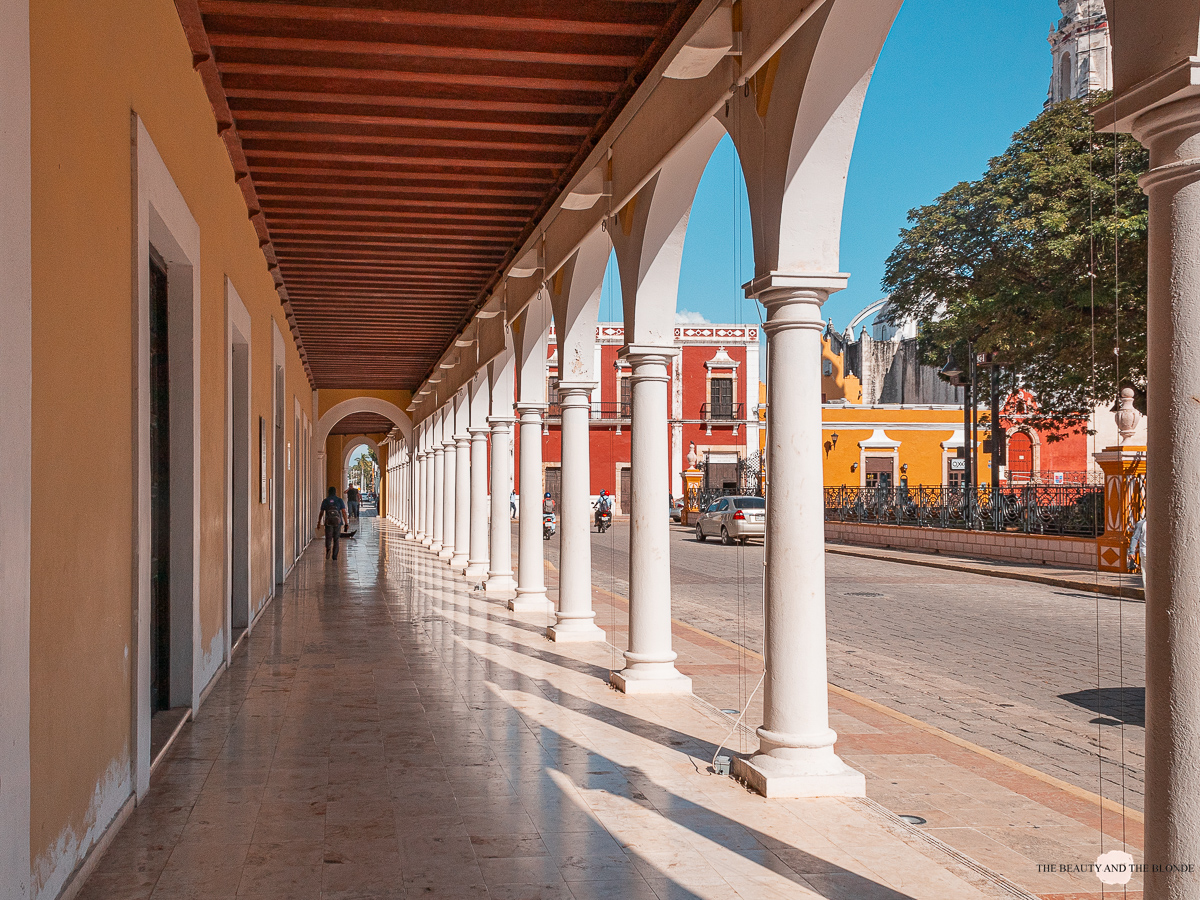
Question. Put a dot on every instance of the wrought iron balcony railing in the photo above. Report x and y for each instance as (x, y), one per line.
(1075, 510)
(728, 412)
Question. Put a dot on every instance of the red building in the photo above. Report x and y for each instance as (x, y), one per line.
(714, 399)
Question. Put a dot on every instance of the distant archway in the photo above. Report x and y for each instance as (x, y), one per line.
(352, 445)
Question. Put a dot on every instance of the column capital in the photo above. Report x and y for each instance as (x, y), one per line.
(462, 440)
(478, 432)
(447, 443)
(1169, 131)
(794, 299)
(575, 394)
(1122, 113)
(763, 287)
(635, 354)
(495, 422)
(531, 412)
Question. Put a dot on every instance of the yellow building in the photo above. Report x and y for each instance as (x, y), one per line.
(905, 445)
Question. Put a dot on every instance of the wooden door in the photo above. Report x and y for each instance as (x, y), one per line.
(626, 490)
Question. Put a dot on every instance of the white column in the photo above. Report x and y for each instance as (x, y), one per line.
(422, 485)
(531, 576)
(449, 475)
(500, 574)
(1172, 133)
(462, 502)
(650, 661)
(576, 619)
(795, 756)
(414, 492)
(438, 493)
(477, 557)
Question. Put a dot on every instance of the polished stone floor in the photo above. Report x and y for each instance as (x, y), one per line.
(385, 732)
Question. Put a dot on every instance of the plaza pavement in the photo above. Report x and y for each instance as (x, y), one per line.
(967, 699)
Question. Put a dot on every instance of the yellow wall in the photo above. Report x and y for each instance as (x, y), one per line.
(327, 398)
(838, 385)
(92, 64)
(920, 448)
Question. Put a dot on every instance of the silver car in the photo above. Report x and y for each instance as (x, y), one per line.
(733, 519)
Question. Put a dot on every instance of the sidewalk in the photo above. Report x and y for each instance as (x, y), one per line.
(997, 818)
(1113, 584)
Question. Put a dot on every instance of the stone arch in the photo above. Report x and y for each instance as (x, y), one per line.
(648, 235)
(339, 411)
(335, 414)
(353, 444)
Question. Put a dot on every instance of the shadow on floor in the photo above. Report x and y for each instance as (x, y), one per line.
(1126, 705)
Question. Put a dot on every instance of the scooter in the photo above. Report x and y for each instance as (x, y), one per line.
(549, 525)
(603, 520)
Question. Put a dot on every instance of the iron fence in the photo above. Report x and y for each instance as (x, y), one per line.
(1074, 510)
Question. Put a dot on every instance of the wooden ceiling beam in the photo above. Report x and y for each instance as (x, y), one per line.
(604, 17)
(438, 45)
(503, 81)
(535, 105)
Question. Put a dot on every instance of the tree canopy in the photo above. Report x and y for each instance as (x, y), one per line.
(1042, 261)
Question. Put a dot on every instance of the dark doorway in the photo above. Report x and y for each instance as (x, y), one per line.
(239, 479)
(626, 490)
(160, 490)
(554, 483)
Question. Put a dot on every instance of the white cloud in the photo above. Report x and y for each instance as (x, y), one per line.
(687, 317)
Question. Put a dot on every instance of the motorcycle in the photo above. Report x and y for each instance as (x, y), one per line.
(549, 525)
(603, 520)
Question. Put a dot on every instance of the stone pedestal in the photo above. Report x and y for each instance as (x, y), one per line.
(1124, 503)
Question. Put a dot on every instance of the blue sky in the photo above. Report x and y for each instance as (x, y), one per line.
(953, 83)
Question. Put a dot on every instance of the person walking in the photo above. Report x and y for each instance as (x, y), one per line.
(1137, 547)
(512, 504)
(333, 513)
(352, 498)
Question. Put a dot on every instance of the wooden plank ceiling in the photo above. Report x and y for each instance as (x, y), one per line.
(395, 155)
(363, 423)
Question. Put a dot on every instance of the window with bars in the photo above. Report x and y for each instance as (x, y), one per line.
(626, 396)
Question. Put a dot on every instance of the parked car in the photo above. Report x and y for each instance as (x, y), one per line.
(676, 510)
(733, 519)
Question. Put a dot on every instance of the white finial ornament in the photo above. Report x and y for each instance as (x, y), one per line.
(1127, 416)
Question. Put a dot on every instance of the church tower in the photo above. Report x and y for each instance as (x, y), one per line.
(1081, 51)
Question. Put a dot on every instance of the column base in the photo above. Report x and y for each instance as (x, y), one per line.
(433, 545)
(445, 552)
(531, 602)
(476, 569)
(500, 583)
(576, 631)
(458, 562)
(410, 536)
(796, 778)
(628, 681)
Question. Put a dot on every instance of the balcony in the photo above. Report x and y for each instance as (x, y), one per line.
(722, 412)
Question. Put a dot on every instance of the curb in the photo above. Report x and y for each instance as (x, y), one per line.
(1124, 592)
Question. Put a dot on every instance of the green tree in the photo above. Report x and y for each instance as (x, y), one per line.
(1042, 260)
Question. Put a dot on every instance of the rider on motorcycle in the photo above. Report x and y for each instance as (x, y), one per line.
(603, 505)
(547, 505)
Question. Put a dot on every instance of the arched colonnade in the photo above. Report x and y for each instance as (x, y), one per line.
(791, 104)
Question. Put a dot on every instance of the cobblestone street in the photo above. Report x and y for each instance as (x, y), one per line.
(1008, 665)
